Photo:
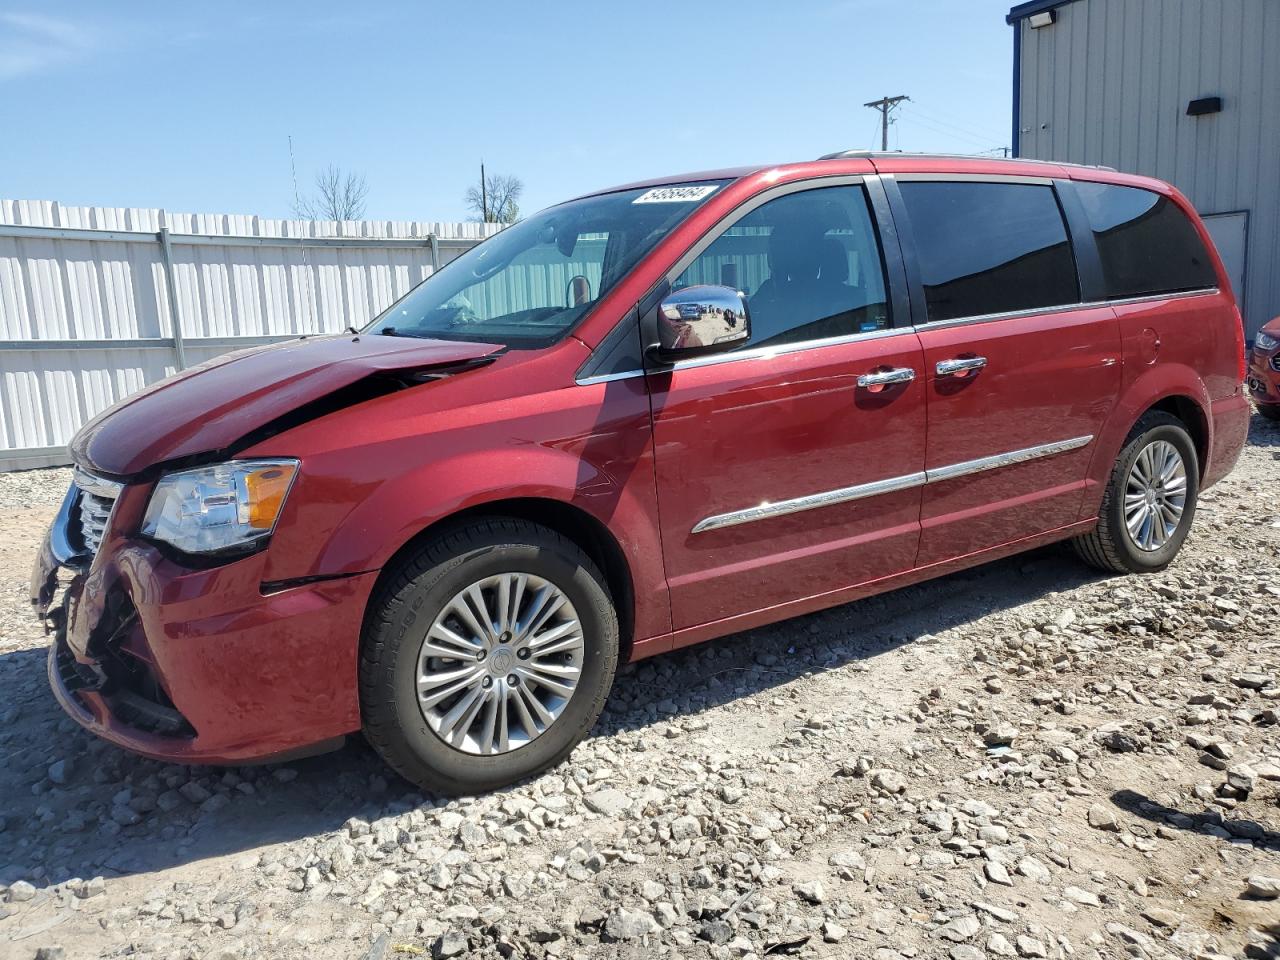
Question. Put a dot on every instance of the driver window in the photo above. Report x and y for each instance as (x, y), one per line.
(809, 264)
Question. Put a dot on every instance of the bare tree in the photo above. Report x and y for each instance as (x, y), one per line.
(498, 202)
(338, 196)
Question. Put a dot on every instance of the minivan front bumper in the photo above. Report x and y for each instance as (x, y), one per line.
(195, 665)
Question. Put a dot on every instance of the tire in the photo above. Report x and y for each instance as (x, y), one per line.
(1110, 546)
(1269, 410)
(421, 589)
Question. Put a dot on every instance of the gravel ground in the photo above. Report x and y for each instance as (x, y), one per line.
(1023, 760)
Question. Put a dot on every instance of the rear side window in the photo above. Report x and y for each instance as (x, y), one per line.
(1146, 243)
(989, 247)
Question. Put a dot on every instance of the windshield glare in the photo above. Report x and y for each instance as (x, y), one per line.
(530, 284)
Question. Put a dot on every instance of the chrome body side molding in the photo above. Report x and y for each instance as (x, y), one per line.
(767, 511)
(1006, 459)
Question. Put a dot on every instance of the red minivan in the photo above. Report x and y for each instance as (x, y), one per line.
(641, 419)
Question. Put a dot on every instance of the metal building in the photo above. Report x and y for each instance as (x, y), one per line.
(1184, 90)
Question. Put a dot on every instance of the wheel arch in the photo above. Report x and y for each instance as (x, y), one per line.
(1193, 416)
(566, 519)
(1172, 388)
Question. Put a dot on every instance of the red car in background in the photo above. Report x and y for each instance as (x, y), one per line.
(1264, 370)
(638, 420)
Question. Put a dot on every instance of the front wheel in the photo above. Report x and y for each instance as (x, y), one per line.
(486, 657)
(1149, 502)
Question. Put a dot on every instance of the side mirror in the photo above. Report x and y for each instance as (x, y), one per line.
(701, 319)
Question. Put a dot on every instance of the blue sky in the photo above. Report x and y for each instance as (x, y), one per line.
(189, 106)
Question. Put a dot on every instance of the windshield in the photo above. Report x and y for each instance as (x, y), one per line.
(530, 284)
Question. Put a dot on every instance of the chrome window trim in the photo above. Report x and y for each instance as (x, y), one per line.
(1062, 308)
(755, 353)
(752, 204)
(608, 377)
(758, 353)
(767, 511)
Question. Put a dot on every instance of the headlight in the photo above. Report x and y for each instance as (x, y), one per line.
(225, 506)
(1264, 341)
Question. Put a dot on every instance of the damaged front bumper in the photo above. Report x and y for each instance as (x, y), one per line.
(194, 665)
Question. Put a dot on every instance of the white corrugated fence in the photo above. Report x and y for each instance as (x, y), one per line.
(88, 297)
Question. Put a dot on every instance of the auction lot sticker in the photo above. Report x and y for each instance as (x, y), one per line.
(675, 194)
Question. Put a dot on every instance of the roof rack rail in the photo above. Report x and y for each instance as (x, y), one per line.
(924, 155)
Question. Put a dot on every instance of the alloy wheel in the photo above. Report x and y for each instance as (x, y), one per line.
(1155, 495)
(500, 663)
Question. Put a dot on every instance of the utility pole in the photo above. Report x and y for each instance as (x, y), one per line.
(484, 196)
(885, 105)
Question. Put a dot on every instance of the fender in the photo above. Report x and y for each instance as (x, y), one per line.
(376, 476)
(1153, 385)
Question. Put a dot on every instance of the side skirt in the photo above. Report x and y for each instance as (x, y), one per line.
(834, 598)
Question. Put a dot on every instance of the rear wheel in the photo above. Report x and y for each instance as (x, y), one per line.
(486, 657)
(1150, 500)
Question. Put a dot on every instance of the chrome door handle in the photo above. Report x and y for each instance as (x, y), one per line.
(896, 375)
(947, 368)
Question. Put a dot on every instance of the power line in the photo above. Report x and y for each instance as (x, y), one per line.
(929, 124)
(885, 105)
(917, 112)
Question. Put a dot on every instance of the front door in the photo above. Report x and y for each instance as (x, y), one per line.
(1020, 374)
(782, 475)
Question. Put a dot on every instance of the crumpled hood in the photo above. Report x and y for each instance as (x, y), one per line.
(211, 406)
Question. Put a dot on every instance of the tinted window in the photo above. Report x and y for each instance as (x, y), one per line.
(989, 247)
(809, 263)
(1146, 243)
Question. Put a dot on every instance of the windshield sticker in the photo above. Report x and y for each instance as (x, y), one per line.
(675, 194)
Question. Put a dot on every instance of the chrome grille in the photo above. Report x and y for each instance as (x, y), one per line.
(1275, 362)
(97, 498)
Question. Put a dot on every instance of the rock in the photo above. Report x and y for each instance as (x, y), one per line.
(1118, 741)
(439, 876)
(1001, 735)
(1242, 779)
(1030, 947)
(1263, 887)
(961, 928)
(997, 873)
(60, 771)
(51, 953)
(889, 781)
(1033, 869)
(832, 932)
(1083, 897)
(624, 924)
(715, 931)
(685, 828)
(451, 943)
(962, 951)
(1103, 818)
(811, 892)
(998, 945)
(1251, 681)
(608, 802)
(1163, 917)
(194, 792)
(20, 892)
(93, 888)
